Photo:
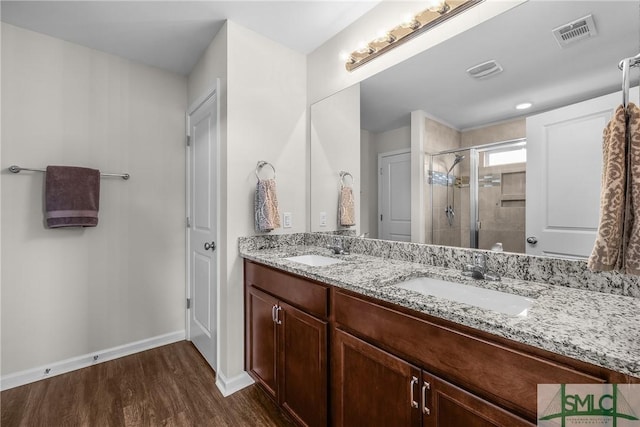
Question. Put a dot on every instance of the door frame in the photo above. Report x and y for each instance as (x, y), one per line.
(380, 157)
(211, 92)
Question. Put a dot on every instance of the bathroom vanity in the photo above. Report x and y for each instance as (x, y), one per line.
(344, 345)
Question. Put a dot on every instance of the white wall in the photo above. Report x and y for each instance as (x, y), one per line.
(393, 140)
(368, 185)
(335, 147)
(68, 292)
(265, 120)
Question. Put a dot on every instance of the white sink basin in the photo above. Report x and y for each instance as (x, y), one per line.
(502, 302)
(314, 260)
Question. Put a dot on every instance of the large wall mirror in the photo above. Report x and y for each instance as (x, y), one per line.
(446, 158)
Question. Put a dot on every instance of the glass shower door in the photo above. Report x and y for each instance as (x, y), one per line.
(449, 178)
(501, 196)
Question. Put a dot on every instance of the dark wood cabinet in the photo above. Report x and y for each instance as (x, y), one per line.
(445, 405)
(494, 371)
(375, 388)
(261, 331)
(371, 387)
(390, 366)
(303, 365)
(286, 346)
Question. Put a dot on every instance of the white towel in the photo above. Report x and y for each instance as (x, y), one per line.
(267, 215)
(346, 207)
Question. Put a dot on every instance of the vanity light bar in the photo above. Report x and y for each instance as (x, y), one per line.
(438, 12)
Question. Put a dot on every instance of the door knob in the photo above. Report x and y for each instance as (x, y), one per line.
(211, 246)
(532, 240)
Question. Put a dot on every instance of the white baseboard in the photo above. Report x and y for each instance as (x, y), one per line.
(79, 362)
(229, 386)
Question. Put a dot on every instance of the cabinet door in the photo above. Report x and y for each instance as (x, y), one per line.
(262, 339)
(445, 405)
(303, 366)
(372, 387)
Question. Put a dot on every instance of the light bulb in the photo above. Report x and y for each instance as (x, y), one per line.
(439, 6)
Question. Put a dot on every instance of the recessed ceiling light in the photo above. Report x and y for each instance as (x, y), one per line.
(524, 106)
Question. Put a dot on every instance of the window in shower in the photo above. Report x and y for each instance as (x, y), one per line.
(505, 156)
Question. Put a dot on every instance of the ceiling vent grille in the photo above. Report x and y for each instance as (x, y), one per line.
(485, 69)
(577, 30)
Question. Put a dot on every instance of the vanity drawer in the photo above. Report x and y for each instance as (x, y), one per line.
(506, 376)
(302, 293)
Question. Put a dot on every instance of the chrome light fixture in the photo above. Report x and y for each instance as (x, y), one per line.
(436, 12)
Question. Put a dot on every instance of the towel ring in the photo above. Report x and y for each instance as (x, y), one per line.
(343, 174)
(262, 164)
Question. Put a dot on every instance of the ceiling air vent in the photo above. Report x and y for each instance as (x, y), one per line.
(485, 69)
(577, 30)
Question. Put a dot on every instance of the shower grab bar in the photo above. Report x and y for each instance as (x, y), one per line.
(18, 169)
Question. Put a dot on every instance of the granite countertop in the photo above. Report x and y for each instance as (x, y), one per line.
(594, 327)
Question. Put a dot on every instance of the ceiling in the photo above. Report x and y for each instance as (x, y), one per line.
(536, 69)
(173, 34)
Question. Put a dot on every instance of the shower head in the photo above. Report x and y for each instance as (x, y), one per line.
(458, 159)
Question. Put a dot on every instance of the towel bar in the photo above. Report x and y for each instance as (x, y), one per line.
(262, 164)
(17, 169)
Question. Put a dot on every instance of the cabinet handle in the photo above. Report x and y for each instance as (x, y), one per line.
(277, 319)
(425, 386)
(273, 313)
(414, 381)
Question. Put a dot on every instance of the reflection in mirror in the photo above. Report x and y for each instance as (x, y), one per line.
(428, 104)
(477, 197)
(335, 148)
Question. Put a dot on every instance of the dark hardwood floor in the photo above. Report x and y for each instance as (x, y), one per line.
(170, 385)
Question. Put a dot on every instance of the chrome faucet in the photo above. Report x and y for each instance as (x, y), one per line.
(337, 247)
(478, 270)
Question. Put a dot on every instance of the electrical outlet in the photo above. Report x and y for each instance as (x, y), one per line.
(323, 219)
(286, 220)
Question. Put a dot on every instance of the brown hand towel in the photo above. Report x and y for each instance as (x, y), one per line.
(346, 207)
(632, 249)
(606, 254)
(72, 196)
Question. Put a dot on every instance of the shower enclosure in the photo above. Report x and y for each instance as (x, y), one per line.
(477, 197)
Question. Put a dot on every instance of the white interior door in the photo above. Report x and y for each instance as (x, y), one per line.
(394, 207)
(202, 232)
(564, 168)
